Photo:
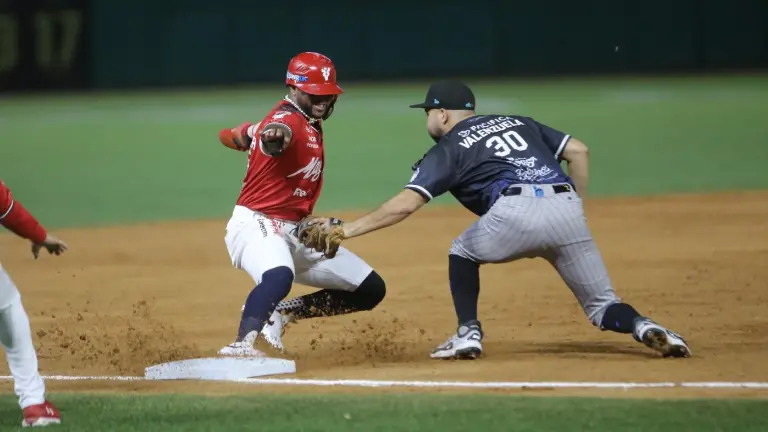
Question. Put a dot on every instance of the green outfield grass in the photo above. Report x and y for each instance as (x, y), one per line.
(119, 158)
(396, 413)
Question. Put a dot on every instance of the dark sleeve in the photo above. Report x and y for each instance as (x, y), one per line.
(435, 173)
(553, 138)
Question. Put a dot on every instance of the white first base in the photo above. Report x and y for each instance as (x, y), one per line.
(220, 368)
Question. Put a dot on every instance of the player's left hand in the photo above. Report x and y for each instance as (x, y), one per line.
(53, 245)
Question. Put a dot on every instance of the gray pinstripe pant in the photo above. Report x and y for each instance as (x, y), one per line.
(553, 227)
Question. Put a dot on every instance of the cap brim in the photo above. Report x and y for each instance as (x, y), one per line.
(320, 89)
(423, 105)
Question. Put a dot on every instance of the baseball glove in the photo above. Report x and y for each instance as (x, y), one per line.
(313, 233)
(331, 240)
(275, 138)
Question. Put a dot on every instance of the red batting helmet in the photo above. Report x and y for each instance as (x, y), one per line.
(313, 73)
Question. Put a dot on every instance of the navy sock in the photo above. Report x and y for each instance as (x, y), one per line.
(619, 318)
(261, 302)
(464, 279)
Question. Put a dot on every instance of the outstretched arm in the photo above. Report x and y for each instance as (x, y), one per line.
(274, 138)
(19, 221)
(390, 213)
(325, 235)
(433, 176)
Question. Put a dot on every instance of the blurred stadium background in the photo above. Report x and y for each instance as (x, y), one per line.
(109, 44)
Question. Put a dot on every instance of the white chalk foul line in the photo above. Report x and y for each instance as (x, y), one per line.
(441, 384)
(509, 385)
(83, 378)
(451, 384)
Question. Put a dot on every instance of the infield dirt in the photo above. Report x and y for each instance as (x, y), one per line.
(125, 298)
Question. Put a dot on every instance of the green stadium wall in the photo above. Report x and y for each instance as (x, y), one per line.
(138, 43)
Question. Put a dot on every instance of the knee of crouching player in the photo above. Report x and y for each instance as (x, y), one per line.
(371, 291)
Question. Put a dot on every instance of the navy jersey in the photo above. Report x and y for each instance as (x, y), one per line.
(484, 154)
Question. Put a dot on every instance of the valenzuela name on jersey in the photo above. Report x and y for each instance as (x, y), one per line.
(479, 131)
(511, 150)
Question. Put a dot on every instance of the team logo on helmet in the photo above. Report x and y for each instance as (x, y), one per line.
(326, 72)
(296, 78)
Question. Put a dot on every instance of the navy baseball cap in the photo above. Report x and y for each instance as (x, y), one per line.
(450, 95)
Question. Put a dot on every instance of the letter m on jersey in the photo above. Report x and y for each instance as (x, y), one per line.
(312, 171)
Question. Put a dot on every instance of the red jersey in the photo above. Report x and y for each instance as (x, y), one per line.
(17, 219)
(285, 186)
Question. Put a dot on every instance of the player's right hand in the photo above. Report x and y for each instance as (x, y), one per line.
(275, 138)
(52, 244)
(273, 135)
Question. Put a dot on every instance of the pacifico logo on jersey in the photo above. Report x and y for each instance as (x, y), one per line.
(312, 171)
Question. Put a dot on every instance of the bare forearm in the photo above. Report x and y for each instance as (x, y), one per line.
(578, 170)
(388, 214)
(384, 216)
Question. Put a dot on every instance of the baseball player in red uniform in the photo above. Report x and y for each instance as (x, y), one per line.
(282, 183)
(15, 333)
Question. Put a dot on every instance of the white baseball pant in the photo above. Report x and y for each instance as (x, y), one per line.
(16, 339)
(257, 243)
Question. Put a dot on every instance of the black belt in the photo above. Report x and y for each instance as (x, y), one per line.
(517, 190)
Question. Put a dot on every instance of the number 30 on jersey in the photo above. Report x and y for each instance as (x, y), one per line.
(511, 140)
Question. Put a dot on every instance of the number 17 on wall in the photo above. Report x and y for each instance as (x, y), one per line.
(58, 34)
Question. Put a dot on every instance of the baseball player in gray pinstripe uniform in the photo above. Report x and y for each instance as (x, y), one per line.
(506, 169)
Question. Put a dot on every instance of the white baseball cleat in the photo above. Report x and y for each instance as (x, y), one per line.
(242, 349)
(464, 345)
(274, 329)
(658, 338)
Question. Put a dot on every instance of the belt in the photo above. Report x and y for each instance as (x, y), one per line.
(517, 190)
